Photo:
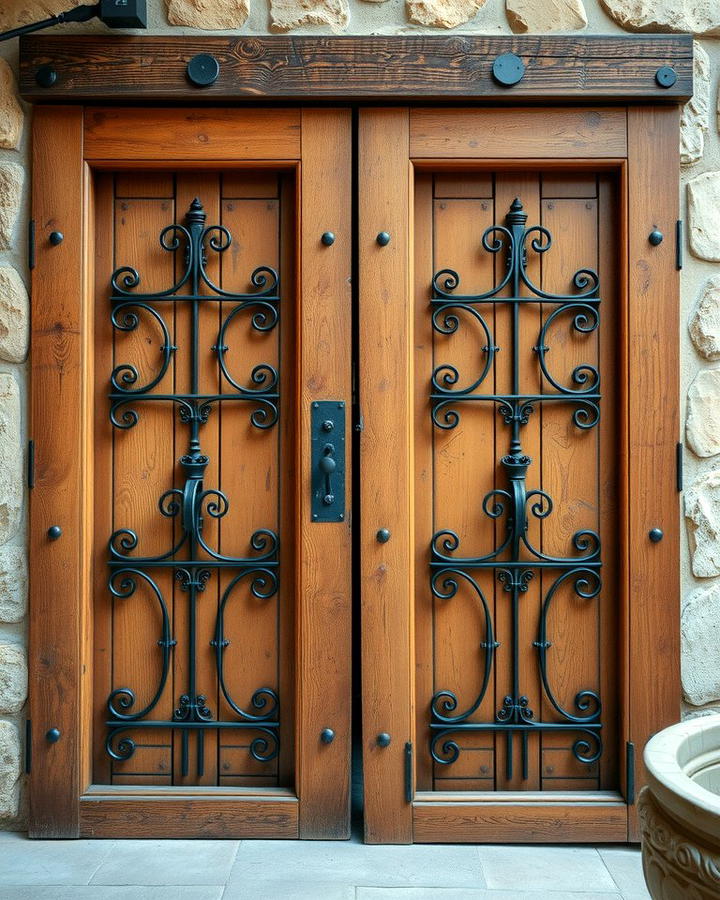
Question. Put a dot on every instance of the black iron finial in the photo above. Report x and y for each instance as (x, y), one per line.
(196, 213)
(517, 215)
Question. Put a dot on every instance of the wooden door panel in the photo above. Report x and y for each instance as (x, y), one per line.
(465, 468)
(199, 354)
(521, 599)
(244, 465)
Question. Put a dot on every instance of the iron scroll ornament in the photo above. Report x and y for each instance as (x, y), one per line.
(192, 559)
(515, 561)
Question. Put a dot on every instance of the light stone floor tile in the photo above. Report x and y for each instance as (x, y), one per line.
(541, 868)
(625, 866)
(368, 893)
(271, 889)
(353, 863)
(167, 863)
(112, 892)
(26, 862)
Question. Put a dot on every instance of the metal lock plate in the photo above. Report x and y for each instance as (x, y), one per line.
(327, 460)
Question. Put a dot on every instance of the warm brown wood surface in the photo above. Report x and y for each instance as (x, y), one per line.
(455, 469)
(58, 418)
(514, 133)
(386, 497)
(183, 817)
(653, 423)
(345, 67)
(192, 134)
(518, 823)
(324, 582)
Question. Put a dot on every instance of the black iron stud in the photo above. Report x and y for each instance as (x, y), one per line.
(54, 532)
(56, 237)
(46, 76)
(383, 536)
(328, 425)
(383, 238)
(383, 739)
(203, 70)
(666, 76)
(328, 238)
(53, 736)
(508, 69)
(655, 237)
(655, 535)
(327, 735)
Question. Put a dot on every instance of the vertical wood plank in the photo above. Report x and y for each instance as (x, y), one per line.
(653, 173)
(58, 422)
(324, 575)
(386, 488)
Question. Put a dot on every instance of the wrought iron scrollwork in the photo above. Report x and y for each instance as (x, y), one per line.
(192, 559)
(515, 561)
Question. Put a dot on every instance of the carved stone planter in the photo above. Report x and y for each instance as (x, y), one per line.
(680, 812)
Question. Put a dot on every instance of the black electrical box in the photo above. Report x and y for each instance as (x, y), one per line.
(124, 13)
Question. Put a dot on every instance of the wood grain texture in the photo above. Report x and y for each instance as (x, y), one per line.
(192, 134)
(512, 133)
(183, 817)
(518, 823)
(324, 610)
(336, 67)
(386, 484)
(653, 422)
(57, 421)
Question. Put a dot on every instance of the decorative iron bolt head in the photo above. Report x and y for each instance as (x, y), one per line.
(656, 237)
(383, 238)
(508, 69)
(328, 238)
(203, 70)
(666, 76)
(46, 76)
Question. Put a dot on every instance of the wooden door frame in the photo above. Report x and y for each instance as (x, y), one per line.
(641, 144)
(69, 145)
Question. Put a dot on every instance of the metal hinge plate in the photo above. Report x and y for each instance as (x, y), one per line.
(408, 772)
(31, 465)
(31, 244)
(28, 746)
(629, 773)
(679, 239)
(679, 467)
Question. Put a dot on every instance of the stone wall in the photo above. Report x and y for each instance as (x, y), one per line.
(700, 325)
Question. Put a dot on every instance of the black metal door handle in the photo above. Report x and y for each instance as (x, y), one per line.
(328, 467)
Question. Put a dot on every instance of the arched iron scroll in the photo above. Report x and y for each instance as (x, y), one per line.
(191, 557)
(515, 561)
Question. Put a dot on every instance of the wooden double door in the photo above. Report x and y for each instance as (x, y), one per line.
(235, 447)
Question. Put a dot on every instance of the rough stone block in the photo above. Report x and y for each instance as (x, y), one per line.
(9, 770)
(11, 474)
(442, 13)
(208, 14)
(14, 313)
(545, 16)
(695, 119)
(13, 678)
(704, 322)
(289, 14)
(13, 584)
(704, 215)
(23, 12)
(11, 183)
(696, 16)
(702, 427)
(702, 510)
(11, 114)
(700, 645)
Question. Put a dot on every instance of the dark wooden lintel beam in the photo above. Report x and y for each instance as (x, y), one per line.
(390, 68)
